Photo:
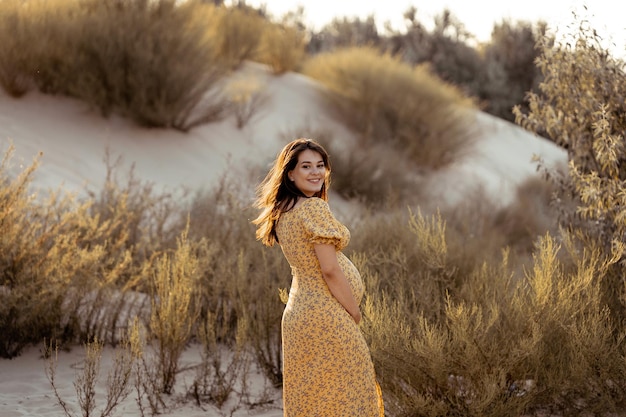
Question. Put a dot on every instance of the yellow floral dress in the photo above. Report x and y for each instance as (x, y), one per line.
(328, 370)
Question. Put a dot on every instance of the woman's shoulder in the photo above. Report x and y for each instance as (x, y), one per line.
(312, 203)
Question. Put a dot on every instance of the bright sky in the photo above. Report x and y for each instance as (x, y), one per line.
(478, 16)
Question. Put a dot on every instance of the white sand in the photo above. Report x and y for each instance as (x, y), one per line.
(73, 140)
(26, 391)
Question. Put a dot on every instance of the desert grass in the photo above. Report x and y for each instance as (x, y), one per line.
(386, 101)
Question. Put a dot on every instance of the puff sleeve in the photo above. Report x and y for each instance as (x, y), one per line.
(322, 227)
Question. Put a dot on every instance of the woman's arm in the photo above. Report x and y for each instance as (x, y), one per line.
(336, 280)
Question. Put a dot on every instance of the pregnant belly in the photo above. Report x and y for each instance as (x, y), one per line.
(353, 276)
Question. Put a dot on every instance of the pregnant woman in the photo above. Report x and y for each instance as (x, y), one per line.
(328, 371)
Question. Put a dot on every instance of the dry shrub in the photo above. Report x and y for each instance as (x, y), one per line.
(509, 66)
(387, 101)
(491, 342)
(473, 233)
(174, 307)
(145, 381)
(54, 257)
(238, 33)
(529, 216)
(135, 212)
(576, 367)
(70, 267)
(47, 53)
(480, 227)
(153, 61)
(13, 79)
(580, 106)
(263, 305)
(30, 301)
(118, 383)
(247, 95)
(224, 368)
(127, 219)
(282, 48)
(242, 279)
(375, 174)
(419, 272)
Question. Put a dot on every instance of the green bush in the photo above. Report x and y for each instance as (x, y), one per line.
(386, 101)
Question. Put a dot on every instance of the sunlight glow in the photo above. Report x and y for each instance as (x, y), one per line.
(477, 16)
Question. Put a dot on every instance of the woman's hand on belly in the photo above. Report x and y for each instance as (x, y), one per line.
(336, 280)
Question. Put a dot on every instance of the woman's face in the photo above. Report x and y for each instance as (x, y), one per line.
(309, 173)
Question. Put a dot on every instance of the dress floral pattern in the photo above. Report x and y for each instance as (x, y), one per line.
(328, 371)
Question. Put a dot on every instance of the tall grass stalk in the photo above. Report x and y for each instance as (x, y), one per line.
(174, 308)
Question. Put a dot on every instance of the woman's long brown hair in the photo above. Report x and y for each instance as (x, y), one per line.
(276, 194)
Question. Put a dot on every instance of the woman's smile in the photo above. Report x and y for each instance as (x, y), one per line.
(310, 173)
